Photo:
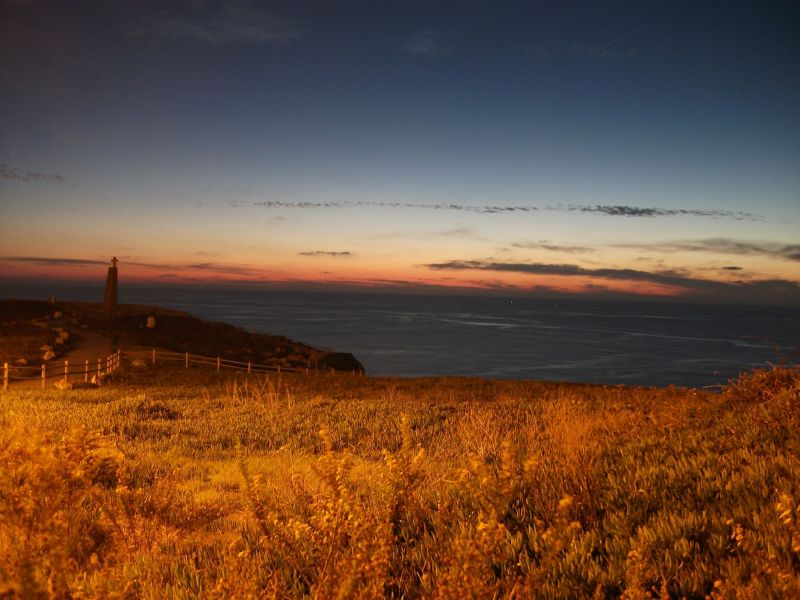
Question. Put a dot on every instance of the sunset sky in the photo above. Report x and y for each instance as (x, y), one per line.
(611, 149)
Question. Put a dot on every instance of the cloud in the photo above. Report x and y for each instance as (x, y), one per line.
(555, 269)
(485, 209)
(546, 245)
(325, 253)
(751, 291)
(638, 211)
(426, 43)
(211, 267)
(608, 210)
(205, 267)
(12, 174)
(53, 262)
(724, 246)
(453, 232)
(240, 22)
(731, 268)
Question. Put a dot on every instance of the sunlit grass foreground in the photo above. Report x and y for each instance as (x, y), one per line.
(340, 487)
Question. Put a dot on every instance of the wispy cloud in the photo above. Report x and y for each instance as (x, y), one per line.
(53, 261)
(325, 253)
(483, 209)
(426, 43)
(607, 210)
(723, 246)
(558, 269)
(458, 232)
(13, 174)
(204, 267)
(755, 290)
(224, 269)
(238, 22)
(639, 211)
(551, 247)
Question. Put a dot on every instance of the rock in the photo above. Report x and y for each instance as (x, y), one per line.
(63, 385)
(48, 355)
(151, 322)
(63, 335)
(22, 362)
(139, 364)
(340, 361)
(58, 314)
(46, 347)
(98, 379)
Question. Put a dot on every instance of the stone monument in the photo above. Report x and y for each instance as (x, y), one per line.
(110, 297)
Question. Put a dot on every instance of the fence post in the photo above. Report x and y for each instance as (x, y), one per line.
(44, 376)
(249, 364)
(154, 356)
(66, 371)
(5, 376)
(86, 372)
(187, 360)
(218, 363)
(279, 368)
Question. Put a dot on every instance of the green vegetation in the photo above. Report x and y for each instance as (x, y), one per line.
(184, 484)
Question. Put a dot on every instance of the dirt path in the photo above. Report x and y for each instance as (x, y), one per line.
(91, 346)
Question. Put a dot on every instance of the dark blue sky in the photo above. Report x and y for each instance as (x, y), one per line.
(194, 107)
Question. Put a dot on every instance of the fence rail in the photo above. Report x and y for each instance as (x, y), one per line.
(67, 372)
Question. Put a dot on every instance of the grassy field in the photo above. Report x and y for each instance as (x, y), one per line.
(184, 484)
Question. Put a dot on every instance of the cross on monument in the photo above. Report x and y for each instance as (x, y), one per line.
(114, 262)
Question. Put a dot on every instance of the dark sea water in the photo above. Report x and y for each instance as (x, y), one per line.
(571, 340)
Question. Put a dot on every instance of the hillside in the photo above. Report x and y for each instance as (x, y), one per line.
(191, 484)
(26, 325)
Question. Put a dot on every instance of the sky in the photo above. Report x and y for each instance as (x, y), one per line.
(635, 150)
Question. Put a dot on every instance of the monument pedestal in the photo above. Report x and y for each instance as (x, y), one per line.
(110, 296)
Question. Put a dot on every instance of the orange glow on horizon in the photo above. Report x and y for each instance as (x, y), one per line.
(357, 276)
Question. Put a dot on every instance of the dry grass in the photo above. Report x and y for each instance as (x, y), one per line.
(185, 485)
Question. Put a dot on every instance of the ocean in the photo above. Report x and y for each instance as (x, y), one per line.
(608, 342)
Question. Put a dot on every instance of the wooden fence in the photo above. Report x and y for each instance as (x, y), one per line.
(163, 356)
(105, 366)
(185, 359)
(67, 372)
